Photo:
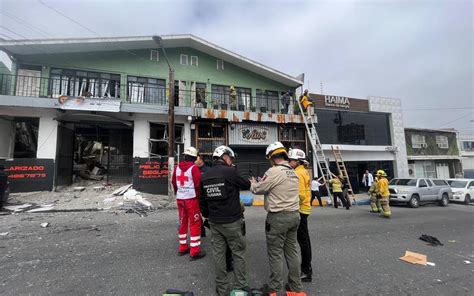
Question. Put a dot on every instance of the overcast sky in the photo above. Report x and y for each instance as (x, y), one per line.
(418, 51)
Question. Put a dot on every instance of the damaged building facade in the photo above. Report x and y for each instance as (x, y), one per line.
(97, 109)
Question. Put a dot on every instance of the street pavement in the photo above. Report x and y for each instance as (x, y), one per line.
(354, 253)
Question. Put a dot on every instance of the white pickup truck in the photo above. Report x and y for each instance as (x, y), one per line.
(420, 190)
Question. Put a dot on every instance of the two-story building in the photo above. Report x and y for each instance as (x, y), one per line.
(97, 108)
(466, 144)
(433, 153)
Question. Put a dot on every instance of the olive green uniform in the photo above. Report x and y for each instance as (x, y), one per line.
(281, 201)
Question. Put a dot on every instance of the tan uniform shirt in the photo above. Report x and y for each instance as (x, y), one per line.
(279, 186)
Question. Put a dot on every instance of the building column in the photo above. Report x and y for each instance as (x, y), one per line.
(47, 136)
(7, 133)
(141, 134)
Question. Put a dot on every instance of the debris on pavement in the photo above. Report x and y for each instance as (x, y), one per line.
(452, 241)
(17, 208)
(431, 240)
(430, 264)
(79, 189)
(122, 190)
(42, 208)
(45, 224)
(467, 262)
(4, 233)
(414, 258)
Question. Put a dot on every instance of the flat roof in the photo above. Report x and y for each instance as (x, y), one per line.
(74, 45)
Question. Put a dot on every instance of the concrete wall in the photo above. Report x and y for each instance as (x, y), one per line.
(7, 134)
(47, 131)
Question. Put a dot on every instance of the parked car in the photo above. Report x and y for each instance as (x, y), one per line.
(420, 190)
(463, 189)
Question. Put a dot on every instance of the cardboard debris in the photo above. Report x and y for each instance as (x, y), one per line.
(414, 258)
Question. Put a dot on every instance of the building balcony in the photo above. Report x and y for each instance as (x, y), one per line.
(109, 95)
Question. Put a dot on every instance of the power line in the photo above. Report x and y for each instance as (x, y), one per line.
(459, 118)
(85, 28)
(25, 23)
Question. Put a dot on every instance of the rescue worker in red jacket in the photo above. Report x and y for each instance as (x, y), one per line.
(186, 182)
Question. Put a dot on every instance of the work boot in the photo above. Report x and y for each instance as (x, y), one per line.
(266, 291)
(306, 277)
(183, 253)
(201, 254)
(383, 216)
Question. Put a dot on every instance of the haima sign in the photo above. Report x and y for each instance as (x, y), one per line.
(339, 102)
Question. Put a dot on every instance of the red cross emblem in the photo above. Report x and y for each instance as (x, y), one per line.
(182, 178)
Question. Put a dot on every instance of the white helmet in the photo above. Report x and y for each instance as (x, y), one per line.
(275, 148)
(191, 151)
(221, 150)
(296, 154)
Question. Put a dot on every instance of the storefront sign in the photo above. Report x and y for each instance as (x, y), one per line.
(337, 102)
(89, 104)
(150, 176)
(29, 174)
(252, 134)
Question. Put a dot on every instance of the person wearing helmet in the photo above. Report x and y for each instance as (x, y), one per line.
(305, 101)
(279, 186)
(297, 162)
(337, 191)
(220, 204)
(186, 182)
(382, 188)
(375, 206)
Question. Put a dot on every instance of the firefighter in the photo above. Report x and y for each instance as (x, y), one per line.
(233, 98)
(337, 192)
(305, 100)
(279, 186)
(375, 206)
(297, 162)
(382, 188)
(220, 203)
(186, 183)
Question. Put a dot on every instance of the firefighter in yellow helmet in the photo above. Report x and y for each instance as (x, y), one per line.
(375, 206)
(382, 188)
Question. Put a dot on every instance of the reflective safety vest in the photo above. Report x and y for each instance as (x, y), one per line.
(185, 184)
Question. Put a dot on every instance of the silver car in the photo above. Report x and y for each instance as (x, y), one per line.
(420, 190)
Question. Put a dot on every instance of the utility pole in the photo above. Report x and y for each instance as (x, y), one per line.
(159, 42)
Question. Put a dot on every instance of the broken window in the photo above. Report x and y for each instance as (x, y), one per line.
(26, 137)
(84, 84)
(158, 143)
(146, 90)
(210, 136)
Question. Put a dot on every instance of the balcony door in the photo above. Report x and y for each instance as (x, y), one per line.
(28, 83)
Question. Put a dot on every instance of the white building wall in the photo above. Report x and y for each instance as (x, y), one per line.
(7, 134)
(394, 107)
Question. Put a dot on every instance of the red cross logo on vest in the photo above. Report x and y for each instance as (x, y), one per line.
(185, 184)
(182, 178)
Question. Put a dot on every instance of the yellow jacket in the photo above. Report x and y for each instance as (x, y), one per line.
(373, 189)
(336, 185)
(382, 187)
(304, 191)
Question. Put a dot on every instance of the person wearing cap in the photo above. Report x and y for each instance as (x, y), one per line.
(297, 162)
(186, 182)
(279, 186)
(382, 189)
(220, 204)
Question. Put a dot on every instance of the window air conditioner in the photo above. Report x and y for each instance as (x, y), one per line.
(423, 145)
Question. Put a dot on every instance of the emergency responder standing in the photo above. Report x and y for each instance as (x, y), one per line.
(279, 186)
(297, 158)
(382, 188)
(220, 203)
(186, 183)
(337, 191)
(305, 101)
(375, 206)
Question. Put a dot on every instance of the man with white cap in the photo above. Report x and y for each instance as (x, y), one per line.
(186, 183)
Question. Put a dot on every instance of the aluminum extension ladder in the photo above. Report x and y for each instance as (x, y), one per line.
(341, 167)
(318, 152)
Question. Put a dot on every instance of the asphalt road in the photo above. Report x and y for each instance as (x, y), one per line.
(354, 253)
